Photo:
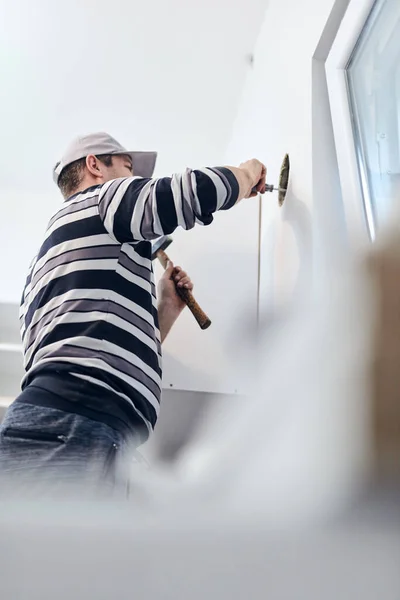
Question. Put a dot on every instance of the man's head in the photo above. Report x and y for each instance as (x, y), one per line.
(97, 158)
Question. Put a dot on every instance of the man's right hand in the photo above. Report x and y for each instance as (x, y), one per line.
(257, 173)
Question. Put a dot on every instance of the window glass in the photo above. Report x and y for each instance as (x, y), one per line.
(374, 86)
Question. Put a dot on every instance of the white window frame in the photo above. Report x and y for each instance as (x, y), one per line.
(354, 186)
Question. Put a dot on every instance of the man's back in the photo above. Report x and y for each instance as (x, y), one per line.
(89, 309)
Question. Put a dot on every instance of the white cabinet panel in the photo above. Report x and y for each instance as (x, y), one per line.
(222, 260)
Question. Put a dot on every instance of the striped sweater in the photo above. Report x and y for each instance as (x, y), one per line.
(89, 312)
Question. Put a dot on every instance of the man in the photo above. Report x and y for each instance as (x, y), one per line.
(91, 328)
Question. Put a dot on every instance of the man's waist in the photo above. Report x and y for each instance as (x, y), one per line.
(65, 391)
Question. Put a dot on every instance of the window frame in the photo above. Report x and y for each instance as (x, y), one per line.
(355, 191)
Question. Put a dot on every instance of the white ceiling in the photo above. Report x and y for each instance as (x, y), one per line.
(164, 75)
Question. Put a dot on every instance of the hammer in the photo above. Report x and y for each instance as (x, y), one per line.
(159, 248)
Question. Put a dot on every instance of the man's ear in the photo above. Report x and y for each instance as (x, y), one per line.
(93, 166)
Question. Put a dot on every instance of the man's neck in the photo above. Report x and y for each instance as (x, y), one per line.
(83, 188)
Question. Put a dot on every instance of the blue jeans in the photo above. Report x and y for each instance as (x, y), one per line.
(49, 451)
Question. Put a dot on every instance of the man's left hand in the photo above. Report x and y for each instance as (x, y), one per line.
(167, 294)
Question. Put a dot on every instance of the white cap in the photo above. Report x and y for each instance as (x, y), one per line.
(102, 143)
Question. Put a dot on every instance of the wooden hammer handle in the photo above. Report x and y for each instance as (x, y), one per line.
(187, 297)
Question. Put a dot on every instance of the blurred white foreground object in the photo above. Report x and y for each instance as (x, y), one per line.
(299, 445)
(109, 552)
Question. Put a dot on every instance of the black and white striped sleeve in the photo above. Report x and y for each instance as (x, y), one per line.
(135, 209)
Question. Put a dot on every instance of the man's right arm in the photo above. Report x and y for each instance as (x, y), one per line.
(135, 209)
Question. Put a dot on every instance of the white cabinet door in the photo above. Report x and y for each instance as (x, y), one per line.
(222, 260)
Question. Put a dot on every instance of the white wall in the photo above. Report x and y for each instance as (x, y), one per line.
(285, 108)
(275, 117)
